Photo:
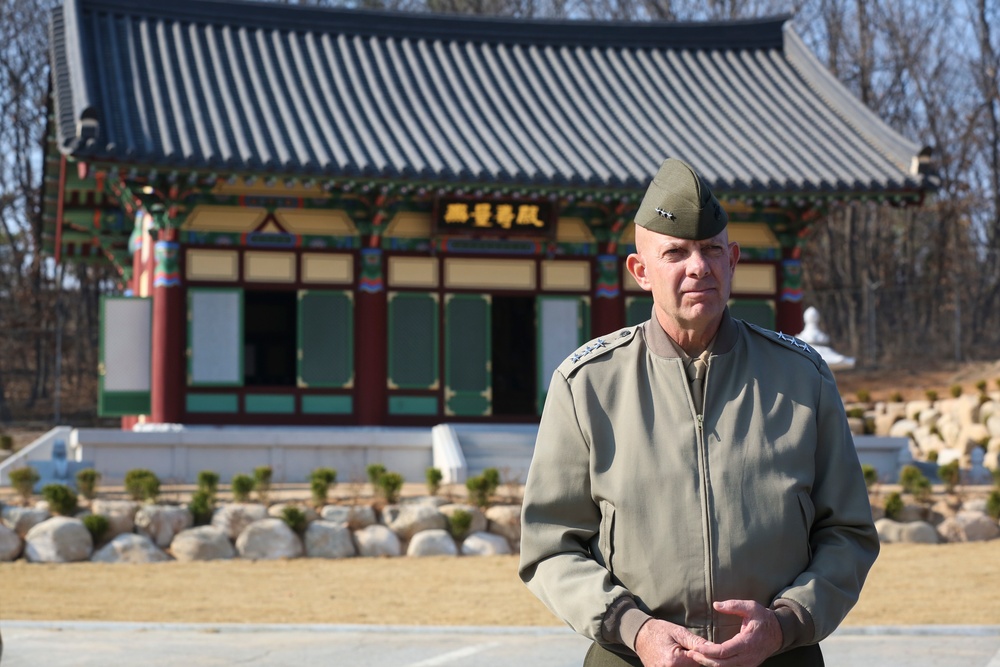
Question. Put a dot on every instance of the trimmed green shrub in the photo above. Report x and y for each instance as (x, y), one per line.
(932, 456)
(87, 481)
(492, 475)
(896, 397)
(480, 489)
(142, 484)
(856, 413)
(374, 471)
(320, 481)
(328, 475)
(950, 475)
(864, 396)
(993, 505)
(202, 506)
(981, 386)
(894, 506)
(262, 482)
(208, 482)
(931, 395)
(459, 523)
(909, 478)
(241, 486)
(955, 390)
(434, 477)
(295, 518)
(97, 525)
(6, 442)
(389, 486)
(23, 480)
(61, 499)
(914, 482)
(871, 475)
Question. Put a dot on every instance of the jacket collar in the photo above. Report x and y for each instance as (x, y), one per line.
(662, 345)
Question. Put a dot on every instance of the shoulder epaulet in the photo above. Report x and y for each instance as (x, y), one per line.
(597, 347)
(791, 342)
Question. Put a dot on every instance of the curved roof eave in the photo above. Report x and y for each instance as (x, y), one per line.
(894, 146)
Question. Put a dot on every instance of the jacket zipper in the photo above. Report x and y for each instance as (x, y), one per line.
(706, 512)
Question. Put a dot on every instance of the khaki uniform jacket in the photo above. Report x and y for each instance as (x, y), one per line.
(632, 493)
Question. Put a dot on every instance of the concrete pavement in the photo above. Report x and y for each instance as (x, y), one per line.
(90, 644)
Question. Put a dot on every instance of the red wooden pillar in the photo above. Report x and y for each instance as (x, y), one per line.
(608, 312)
(169, 317)
(371, 341)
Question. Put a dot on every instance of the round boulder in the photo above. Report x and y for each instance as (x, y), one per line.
(353, 516)
(130, 548)
(914, 532)
(233, 518)
(506, 520)
(433, 542)
(23, 519)
(161, 522)
(485, 544)
(268, 539)
(377, 540)
(968, 526)
(10, 544)
(414, 518)
(327, 539)
(202, 543)
(58, 540)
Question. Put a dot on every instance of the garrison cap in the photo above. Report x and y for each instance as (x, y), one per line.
(679, 203)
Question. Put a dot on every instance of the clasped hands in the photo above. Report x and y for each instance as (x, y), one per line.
(663, 644)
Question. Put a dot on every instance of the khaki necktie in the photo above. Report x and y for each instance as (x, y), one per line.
(697, 369)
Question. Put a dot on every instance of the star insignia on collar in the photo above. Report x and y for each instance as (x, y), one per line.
(665, 214)
(598, 344)
(792, 340)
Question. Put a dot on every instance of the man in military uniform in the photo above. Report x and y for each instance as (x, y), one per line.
(695, 497)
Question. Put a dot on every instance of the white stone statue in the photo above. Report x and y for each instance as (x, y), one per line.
(819, 341)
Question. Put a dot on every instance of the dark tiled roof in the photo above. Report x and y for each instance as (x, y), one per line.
(258, 87)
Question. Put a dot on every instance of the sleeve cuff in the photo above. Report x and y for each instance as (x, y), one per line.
(797, 626)
(622, 621)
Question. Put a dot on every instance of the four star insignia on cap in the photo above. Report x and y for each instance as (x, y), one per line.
(598, 344)
(665, 214)
(793, 341)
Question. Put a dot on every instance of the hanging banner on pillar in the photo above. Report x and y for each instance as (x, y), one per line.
(496, 217)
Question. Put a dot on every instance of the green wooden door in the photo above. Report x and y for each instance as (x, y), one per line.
(414, 345)
(467, 357)
(125, 364)
(325, 339)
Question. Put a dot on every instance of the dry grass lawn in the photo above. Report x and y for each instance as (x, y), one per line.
(910, 584)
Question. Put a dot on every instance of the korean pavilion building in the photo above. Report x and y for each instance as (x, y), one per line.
(338, 217)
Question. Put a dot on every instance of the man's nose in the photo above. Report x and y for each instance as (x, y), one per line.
(697, 265)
